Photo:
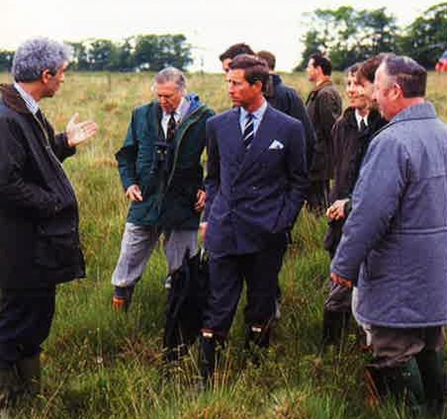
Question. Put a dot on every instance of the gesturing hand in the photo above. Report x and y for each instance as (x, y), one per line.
(78, 132)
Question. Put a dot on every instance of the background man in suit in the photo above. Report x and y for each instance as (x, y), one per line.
(256, 185)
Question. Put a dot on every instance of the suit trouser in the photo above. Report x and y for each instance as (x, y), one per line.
(25, 321)
(227, 273)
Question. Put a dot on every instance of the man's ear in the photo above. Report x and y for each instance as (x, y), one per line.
(396, 91)
(258, 84)
(46, 76)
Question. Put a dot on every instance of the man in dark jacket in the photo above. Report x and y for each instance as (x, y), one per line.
(351, 135)
(161, 172)
(39, 240)
(324, 106)
(287, 100)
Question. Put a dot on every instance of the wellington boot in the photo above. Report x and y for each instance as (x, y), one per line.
(29, 372)
(257, 340)
(207, 359)
(431, 366)
(402, 382)
(11, 386)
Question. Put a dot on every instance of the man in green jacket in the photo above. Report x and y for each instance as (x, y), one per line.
(161, 172)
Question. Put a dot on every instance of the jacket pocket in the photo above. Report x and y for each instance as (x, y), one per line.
(57, 250)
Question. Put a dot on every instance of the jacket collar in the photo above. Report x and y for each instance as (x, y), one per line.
(316, 89)
(420, 111)
(322, 85)
(13, 100)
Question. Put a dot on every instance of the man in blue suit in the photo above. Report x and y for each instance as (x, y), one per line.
(256, 185)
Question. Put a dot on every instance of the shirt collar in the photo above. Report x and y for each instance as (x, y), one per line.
(180, 112)
(30, 103)
(359, 118)
(257, 114)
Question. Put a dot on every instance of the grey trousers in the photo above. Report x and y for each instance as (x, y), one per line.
(137, 246)
(394, 346)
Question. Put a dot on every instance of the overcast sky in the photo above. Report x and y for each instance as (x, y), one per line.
(209, 25)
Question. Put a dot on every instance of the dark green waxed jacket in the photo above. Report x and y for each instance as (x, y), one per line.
(169, 192)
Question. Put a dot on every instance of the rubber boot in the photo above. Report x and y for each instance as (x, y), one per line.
(257, 338)
(335, 327)
(29, 372)
(210, 350)
(11, 386)
(207, 358)
(403, 383)
(431, 366)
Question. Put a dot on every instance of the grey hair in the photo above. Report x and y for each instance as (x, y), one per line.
(174, 75)
(35, 56)
(408, 74)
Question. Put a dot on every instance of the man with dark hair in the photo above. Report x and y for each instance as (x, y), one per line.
(395, 240)
(39, 240)
(286, 99)
(256, 185)
(227, 56)
(162, 176)
(324, 106)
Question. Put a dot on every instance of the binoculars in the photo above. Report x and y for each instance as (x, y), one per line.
(162, 157)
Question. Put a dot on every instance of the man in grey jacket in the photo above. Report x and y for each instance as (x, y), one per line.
(395, 239)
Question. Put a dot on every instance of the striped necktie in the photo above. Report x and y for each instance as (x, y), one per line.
(247, 136)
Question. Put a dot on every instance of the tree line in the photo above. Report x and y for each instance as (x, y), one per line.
(345, 34)
(137, 53)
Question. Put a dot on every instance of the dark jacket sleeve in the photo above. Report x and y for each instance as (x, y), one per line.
(18, 191)
(212, 179)
(127, 156)
(61, 148)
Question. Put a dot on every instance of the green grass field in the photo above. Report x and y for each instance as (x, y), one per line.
(103, 365)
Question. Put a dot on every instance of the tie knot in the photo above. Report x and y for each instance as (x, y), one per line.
(363, 125)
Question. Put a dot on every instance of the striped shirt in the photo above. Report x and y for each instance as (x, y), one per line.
(31, 104)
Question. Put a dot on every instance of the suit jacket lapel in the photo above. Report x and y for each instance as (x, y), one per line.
(232, 138)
